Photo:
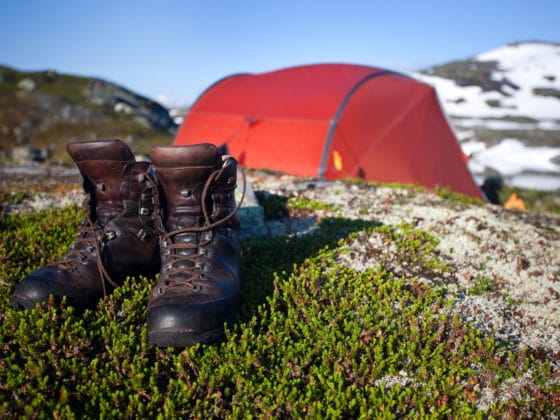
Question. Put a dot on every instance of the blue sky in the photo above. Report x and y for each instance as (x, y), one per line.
(179, 48)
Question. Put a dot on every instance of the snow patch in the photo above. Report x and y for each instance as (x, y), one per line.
(511, 157)
(529, 66)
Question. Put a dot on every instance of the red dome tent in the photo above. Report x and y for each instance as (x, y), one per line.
(332, 121)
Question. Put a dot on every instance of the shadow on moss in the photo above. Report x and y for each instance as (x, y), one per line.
(261, 258)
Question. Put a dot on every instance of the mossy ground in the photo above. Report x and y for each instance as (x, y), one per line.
(314, 338)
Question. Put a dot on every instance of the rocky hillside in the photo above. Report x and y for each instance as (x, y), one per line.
(41, 111)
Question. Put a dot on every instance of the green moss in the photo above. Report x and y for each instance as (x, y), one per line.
(414, 247)
(457, 197)
(481, 285)
(13, 197)
(314, 339)
(304, 203)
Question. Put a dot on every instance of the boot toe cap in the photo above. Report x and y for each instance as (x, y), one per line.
(35, 289)
(30, 292)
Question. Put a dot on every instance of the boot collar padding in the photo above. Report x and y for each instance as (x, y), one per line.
(100, 150)
(197, 155)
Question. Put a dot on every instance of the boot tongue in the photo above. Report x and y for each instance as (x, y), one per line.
(182, 188)
(182, 173)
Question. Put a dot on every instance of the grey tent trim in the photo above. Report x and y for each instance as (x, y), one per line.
(338, 114)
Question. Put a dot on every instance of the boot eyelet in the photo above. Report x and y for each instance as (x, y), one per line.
(197, 287)
(190, 238)
(160, 291)
(142, 235)
(207, 252)
(110, 235)
(185, 193)
(202, 266)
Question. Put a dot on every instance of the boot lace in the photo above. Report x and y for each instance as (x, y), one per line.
(89, 240)
(175, 261)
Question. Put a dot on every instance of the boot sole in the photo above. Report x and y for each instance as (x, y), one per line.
(183, 338)
(174, 338)
(21, 303)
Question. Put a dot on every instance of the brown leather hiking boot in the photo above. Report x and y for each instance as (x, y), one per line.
(117, 237)
(198, 286)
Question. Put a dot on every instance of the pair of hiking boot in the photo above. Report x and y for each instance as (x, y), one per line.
(176, 216)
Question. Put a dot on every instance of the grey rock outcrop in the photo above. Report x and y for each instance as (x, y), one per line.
(103, 93)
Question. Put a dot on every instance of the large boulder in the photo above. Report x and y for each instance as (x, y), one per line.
(103, 93)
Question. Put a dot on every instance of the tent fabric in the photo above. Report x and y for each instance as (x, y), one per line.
(332, 121)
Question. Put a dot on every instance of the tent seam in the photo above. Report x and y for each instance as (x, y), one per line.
(336, 118)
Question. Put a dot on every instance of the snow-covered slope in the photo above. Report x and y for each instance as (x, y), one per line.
(526, 74)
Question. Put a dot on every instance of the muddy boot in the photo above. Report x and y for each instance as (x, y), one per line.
(198, 286)
(117, 237)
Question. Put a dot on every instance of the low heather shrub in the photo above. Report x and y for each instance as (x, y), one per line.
(314, 338)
